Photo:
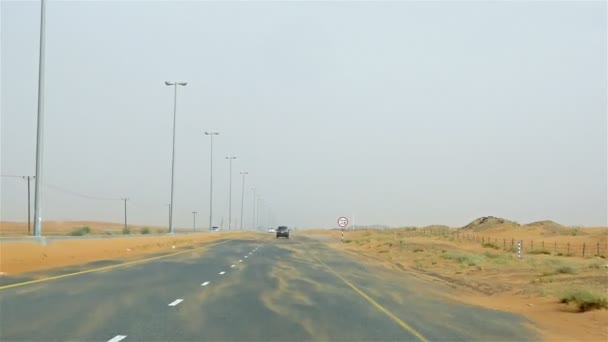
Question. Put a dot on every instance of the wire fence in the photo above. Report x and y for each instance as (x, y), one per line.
(530, 246)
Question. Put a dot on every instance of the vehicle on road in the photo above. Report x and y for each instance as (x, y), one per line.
(215, 229)
(282, 231)
(271, 230)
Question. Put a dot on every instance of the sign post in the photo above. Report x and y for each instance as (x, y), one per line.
(342, 222)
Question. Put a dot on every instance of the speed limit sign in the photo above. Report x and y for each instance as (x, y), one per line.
(343, 222)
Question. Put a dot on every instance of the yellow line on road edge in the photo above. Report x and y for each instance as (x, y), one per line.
(377, 305)
(105, 268)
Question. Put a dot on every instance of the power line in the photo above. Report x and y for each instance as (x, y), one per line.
(77, 194)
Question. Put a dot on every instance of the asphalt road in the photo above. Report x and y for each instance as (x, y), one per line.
(244, 290)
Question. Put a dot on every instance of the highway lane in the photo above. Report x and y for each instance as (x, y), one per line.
(270, 290)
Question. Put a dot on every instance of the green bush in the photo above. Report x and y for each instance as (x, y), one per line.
(491, 255)
(126, 231)
(585, 300)
(539, 251)
(145, 230)
(464, 258)
(418, 250)
(565, 269)
(80, 231)
(490, 245)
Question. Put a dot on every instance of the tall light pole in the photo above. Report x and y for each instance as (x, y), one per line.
(230, 192)
(253, 216)
(125, 200)
(194, 223)
(243, 196)
(260, 204)
(211, 134)
(29, 210)
(39, 125)
(174, 84)
(169, 205)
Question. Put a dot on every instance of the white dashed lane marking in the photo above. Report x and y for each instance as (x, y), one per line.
(222, 272)
(117, 338)
(241, 260)
(176, 302)
(233, 266)
(205, 283)
(245, 257)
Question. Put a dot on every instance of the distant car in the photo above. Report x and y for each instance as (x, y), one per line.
(271, 230)
(215, 229)
(282, 231)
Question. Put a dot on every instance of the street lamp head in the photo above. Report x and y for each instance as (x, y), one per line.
(183, 84)
(230, 157)
(244, 172)
(169, 83)
(212, 133)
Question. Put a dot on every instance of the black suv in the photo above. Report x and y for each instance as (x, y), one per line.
(282, 231)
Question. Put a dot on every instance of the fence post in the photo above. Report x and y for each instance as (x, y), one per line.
(554, 246)
(504, 243)
(531, 244)
(482, 240)
(511, 243)
(583, 249)
(598, 248)
(568, 248)
(543, 243)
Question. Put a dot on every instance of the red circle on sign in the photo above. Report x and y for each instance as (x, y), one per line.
(343, 222)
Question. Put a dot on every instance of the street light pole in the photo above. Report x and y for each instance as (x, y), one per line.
(194, 223)
(211, 134)
(39, 125)
(174, 84)
(29, 210)
(253, 216)
(230, 193)
(125, 200)
(243, 197)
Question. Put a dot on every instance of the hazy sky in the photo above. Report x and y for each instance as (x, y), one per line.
(401, 113)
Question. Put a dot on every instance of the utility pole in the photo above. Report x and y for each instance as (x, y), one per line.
(125, 200)
(194, 223)
(230, 193)
(211, 134)
(253, 216)
(29, 210)
(243, 196)
(169, 205)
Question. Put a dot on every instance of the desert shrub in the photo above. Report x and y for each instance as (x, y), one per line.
(491, 255)
(490, 245)
(584, 299)
(145, 230)
(464, 258)
(418, 250)
(539, 251)
(80, 231)
(565, 269)
(126, 231)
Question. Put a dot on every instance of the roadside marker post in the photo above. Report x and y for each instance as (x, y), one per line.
(342, 222)
(519, 249)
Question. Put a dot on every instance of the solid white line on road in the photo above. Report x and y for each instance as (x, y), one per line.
(176, 302)
(222, 272)
(245, 257)
(205, 283)
(117, 338)
(241, 260)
